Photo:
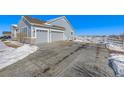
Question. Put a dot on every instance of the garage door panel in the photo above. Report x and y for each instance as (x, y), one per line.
(56, 36)
(42, 36)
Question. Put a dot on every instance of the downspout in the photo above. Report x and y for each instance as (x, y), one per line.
(50, 35)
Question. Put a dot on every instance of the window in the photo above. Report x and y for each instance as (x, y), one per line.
(24, 30)
(71, 33)
(41, 30)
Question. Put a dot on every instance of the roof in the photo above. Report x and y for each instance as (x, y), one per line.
(34, 20)
(5, 32)
(59, 27)
(14, 25)
(41, 23)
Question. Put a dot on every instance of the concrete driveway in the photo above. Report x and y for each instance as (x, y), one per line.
(66, 59)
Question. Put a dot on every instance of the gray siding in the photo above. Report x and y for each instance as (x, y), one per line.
(47, 34)
(24, 23)
(62, 22)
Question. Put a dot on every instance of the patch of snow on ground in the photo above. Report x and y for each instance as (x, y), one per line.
(114, 47)
(78, 40)
(81, 40)
(10, 56)
(116, 61)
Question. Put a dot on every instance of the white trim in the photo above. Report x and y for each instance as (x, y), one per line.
(32, 31)
(27, 31)
(41, 28)
(13, 31)
(54, 30)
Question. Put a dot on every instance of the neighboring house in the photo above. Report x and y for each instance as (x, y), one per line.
(38, 31)
(7, 34)
(14, 29)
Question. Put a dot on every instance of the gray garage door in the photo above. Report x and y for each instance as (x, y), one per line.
(56, 36)
(42, 36)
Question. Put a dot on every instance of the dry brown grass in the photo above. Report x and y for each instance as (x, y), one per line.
(116, 52)
(9, 44)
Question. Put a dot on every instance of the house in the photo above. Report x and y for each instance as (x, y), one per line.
(14, 31)
(7, 34)
(32, 30)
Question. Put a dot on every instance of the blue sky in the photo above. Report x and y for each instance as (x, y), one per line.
(82, 24)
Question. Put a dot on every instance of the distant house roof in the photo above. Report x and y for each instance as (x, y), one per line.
(41, 23)
(5, 33)
(14, 26)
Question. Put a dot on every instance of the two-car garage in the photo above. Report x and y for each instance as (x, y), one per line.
(45, 36)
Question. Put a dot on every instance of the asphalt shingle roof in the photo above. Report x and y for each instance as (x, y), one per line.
(38, 22)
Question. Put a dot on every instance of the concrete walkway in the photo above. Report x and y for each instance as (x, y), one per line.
(9, 55)
(4, 50)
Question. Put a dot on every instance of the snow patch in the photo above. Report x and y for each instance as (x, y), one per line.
(11, 55)
(78, 40)
(114, 47)
(116, 61)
